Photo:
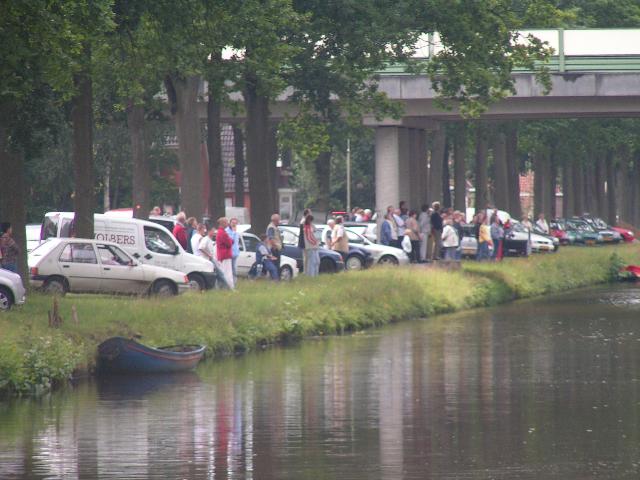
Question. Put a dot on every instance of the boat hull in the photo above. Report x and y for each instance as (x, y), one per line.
(122, 355)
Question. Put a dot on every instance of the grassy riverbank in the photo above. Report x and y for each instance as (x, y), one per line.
(36, 357)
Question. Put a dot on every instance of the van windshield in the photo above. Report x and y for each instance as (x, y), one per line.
(158, 241)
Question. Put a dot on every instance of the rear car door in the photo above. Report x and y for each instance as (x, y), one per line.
(79, 264)
(119, 274)
(248, 246)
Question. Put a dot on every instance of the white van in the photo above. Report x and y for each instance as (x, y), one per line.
(146, 241)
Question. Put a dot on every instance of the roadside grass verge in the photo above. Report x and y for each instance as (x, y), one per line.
(34, 357)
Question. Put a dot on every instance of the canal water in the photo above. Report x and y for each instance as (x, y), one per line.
(542, 389)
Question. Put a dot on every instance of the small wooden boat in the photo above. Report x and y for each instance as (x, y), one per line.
(123, 355)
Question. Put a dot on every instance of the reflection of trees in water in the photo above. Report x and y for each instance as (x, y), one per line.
(532, 388)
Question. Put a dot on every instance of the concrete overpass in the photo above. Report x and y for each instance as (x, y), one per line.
(594, 73)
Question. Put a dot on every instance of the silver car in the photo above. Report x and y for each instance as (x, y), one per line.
(12, 291)
(62, 265)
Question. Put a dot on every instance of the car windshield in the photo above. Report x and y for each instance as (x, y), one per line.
(288, 237)
(599, 223)
(112, 255)
(355, 237)
(580, 226)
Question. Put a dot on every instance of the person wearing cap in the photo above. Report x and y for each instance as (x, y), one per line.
(275, 238)
(9, 249)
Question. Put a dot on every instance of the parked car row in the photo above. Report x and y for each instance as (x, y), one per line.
(588, 230)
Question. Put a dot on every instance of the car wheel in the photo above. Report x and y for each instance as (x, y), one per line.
(354, 262)
(286, 273)
(388, 260)
(197, 282)
(6, 299)
(327, 266)
(164, 288)
(55, 286)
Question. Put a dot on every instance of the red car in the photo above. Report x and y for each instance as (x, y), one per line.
(627, 235)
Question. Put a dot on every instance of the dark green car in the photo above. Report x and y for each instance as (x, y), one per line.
(583, 232)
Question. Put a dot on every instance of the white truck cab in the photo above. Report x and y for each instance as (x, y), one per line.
(148, 242)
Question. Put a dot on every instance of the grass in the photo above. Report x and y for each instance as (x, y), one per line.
(34, 357)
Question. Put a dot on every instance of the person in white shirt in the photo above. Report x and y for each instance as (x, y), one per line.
(205, 247)
(450, 240)
(542, 224)
(200, 232)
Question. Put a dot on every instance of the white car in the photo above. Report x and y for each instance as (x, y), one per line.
(62, 265)
(382, 254)
(539, 243)
(248, 245)
(12, 291)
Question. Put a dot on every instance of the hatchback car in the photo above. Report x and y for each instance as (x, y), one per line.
(330, 261)
(12, 290)
(62, 265)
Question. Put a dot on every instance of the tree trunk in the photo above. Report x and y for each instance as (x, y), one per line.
(183, 96)
(588, 188)
(459, 171)
(106, 187)
(141, 192)
(435, 167)
(500, 174)
(622, 190)
(238, 155)
(600, 177)
(82, 121)
(257, 129)
(513, 172)
(214, 152)
(482, 150)
(578, 176)
(611, 211)
(552, 167)
(272, 159)
(568, 206)
(323, 176)
(538, 183)
(13, 207)
(446, 177)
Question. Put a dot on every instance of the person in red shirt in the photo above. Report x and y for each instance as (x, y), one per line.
(179, 230)
(224, 250)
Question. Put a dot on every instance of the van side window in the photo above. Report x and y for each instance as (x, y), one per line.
(158, 241)
(78, 253)
(66, 229)
(49, 228)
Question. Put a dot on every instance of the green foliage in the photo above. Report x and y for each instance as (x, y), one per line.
(261, 313)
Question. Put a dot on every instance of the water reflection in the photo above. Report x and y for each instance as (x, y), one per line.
(541, 389)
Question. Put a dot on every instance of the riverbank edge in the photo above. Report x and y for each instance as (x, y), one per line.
(35, 358)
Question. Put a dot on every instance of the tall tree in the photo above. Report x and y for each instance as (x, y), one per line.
(481, 175)
(459, 168)
(500, 174)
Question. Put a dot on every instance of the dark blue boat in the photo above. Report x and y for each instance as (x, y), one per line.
(123, 355)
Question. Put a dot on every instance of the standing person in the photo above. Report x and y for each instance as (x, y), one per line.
(275, 238)
(424, 222)
(9, 249)
(526, 223)
(232, 231)
(156, 211)
(497, 235)
(400, 227)
(450, 240)
(339, 240)
(224, 250)
(457, 225)
(200, 232)
(404, 210)
(436, 231)
(179, 230)
(311, 247)
(327, 234)
(305, 212)
(413, 230)
(394, 234)
(542, 224)
(265, 258)
(192, 227)
(206, 250)
(367, 215)
(386, 231)
(484, 238)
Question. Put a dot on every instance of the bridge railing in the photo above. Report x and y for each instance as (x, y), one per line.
(574, 50)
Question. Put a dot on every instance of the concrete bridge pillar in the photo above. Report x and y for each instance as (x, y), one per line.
(401, 167)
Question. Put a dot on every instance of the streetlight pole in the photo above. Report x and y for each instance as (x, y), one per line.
(348, 176)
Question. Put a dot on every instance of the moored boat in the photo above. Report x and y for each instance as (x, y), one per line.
(630, 273)
(123, 355)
